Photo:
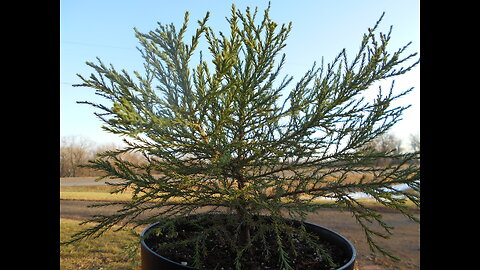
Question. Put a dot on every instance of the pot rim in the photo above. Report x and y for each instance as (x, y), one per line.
(341, 237)
(155, 253)
(345, 240)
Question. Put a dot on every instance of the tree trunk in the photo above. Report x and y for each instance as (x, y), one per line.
(242, 211)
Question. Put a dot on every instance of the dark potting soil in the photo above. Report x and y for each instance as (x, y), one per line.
(218, 253)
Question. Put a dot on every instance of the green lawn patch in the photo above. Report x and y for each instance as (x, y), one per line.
(105, 252)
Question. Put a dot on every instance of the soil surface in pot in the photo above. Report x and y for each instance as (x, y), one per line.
(218, 254)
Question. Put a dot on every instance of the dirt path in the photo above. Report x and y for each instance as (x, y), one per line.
(404, 243)
(84, 181)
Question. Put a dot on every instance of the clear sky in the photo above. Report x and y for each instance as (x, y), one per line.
(321, 28)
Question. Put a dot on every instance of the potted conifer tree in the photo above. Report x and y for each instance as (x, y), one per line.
(235, 159)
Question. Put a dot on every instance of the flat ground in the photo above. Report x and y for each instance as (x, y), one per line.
(405, 242)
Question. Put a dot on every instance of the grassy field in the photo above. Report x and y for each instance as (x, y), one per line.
(105, 252)
(100, 193)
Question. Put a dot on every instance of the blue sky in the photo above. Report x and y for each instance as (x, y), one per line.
(104, 28)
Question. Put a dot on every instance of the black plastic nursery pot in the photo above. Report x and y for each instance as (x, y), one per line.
(150, 260)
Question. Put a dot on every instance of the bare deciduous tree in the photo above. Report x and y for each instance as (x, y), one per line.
(415, 142)
(386, 143)
(74, 151)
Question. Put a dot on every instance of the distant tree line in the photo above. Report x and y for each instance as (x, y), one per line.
(76, 150)
(389, 142)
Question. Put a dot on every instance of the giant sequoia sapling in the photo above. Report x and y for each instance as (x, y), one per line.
(228, 135)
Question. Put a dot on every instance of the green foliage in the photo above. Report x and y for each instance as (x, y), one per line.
(228, 135)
